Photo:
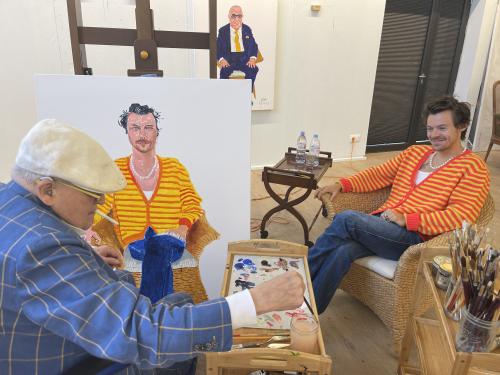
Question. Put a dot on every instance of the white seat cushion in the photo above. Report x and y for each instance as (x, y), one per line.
(384, 267)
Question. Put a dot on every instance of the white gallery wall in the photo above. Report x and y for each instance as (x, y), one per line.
(480, 37)
(325, 65)
(485, 118)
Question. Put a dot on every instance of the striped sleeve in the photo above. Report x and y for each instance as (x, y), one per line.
(373, 178)
(190, 200)
(465, 203)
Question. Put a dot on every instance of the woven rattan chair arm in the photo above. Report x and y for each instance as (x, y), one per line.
(408, 262)
(487, 212)
(363, 202)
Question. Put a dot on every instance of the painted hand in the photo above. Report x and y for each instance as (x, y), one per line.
(113, 257)
(330, 189)
(181, 230)
(223, 63)
(252, 62)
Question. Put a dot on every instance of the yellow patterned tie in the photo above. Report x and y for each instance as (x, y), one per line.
(237, 41)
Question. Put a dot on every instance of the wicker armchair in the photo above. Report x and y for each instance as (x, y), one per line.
(390, 299)
(495, 130)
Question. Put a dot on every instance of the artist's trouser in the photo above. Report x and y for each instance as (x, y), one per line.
(350, 236)
(180, 368)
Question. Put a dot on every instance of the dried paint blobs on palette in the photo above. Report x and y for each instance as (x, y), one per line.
(245, 264)
(282, 263)
(269, 269)
(250, 270)
(244, 284)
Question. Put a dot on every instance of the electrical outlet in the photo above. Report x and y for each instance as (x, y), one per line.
(355, 138)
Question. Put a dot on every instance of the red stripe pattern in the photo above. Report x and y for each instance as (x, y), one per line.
(173, 203)
(451, 194)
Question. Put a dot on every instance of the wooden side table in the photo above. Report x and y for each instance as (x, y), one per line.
(285, 172)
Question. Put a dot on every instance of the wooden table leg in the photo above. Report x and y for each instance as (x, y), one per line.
(286, 204)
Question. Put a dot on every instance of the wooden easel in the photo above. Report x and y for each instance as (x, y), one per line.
(145, 39)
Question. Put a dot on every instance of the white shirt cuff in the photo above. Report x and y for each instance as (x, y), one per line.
(242, 309)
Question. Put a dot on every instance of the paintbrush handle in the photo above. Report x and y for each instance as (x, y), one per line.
(492, 310)
(467, 291)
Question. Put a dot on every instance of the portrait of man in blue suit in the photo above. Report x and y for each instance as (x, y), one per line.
(236, 47)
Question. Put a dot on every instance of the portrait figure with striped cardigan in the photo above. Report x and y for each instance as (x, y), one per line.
(434, 188)
(159, 194)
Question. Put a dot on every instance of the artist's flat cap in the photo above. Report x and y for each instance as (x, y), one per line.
(54, 149)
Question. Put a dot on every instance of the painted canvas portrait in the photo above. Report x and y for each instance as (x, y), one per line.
(186, 162)
(246, 42)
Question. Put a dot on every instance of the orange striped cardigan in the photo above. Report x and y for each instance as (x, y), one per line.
(173, 203)
(451, 194)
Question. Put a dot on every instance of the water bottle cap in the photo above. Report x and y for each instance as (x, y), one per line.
(302, 132)
(315, 136)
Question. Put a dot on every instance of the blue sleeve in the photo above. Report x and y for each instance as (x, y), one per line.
(253, 47)
(222, 50)
(125, 276)
(66, 289)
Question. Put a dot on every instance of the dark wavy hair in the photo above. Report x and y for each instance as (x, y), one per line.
(460, 111)
(140, 110)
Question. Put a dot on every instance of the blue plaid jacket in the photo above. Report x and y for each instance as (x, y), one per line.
(59, 302)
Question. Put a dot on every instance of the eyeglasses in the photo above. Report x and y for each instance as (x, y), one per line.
(97, 196)
(84, 191)
(235, 16)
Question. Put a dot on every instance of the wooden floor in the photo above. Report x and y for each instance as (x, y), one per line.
(355, 338)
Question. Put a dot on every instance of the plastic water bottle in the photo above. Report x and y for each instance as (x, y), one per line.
(300, 157)
(314, 150)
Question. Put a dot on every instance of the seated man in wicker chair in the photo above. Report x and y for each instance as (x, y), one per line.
(433, 189)
(159, 194)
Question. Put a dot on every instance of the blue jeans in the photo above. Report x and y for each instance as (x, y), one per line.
(350, 236)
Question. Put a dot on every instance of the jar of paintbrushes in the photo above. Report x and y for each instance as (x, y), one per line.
(473, 297)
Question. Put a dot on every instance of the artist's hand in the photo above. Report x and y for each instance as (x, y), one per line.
(334, 189)
(92, 237)
(395, 217)
(284, 292)
(223, 63)
(113, 257)
(181, 230)
(252, 63)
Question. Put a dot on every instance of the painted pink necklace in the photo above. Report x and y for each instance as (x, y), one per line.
(149, 175)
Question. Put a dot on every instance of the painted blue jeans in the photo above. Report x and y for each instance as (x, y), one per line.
(350, 236)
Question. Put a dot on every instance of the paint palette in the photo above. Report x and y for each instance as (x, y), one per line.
(247, 271)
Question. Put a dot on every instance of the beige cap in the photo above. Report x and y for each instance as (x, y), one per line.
(55, 149)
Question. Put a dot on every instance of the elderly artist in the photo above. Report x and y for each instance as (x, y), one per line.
(60, 302)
